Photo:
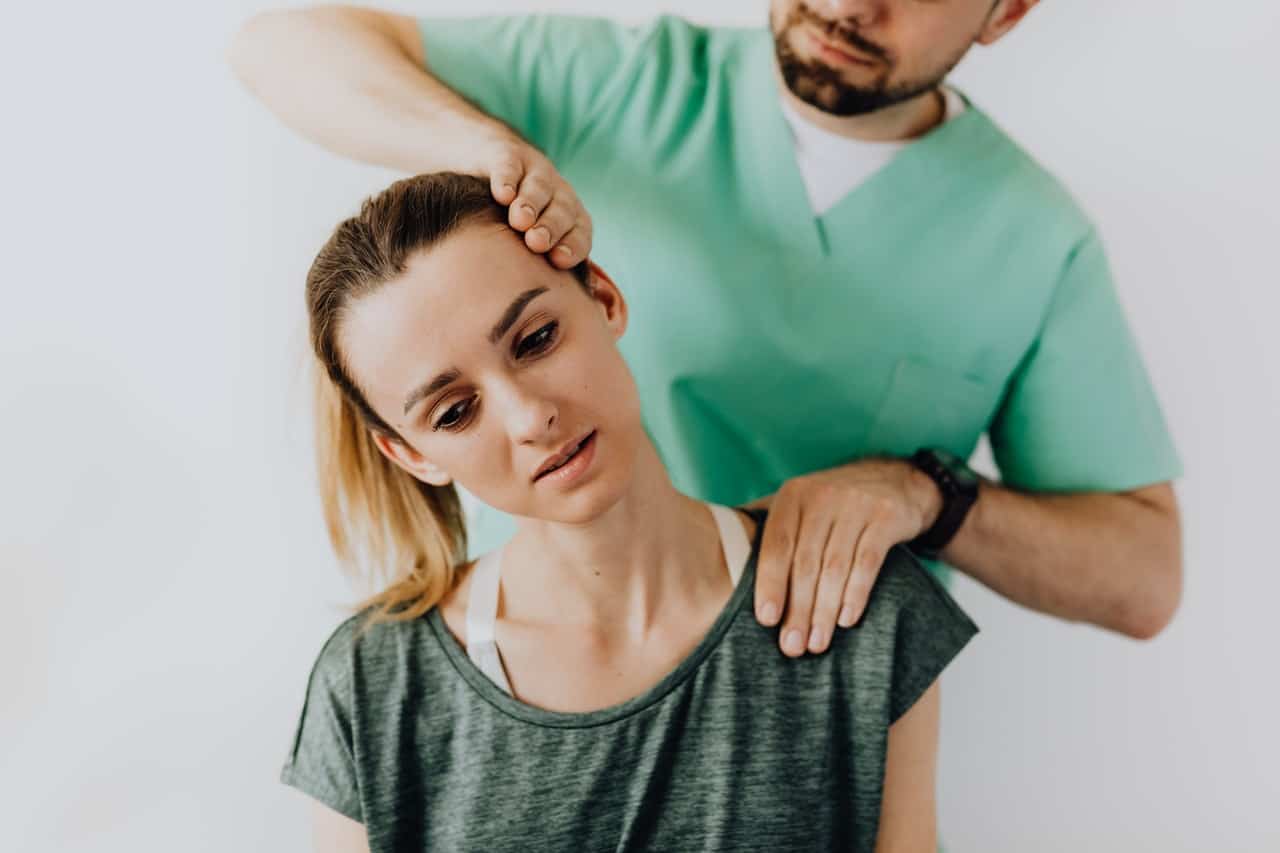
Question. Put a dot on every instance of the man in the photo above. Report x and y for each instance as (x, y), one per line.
(834, 261)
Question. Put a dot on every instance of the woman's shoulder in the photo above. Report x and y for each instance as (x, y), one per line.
(372, 643)
(911, 631)
(906, 585)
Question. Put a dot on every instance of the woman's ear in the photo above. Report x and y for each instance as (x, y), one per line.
(610, 298)
(410, 460)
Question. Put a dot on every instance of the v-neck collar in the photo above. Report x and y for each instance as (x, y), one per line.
(771, 143)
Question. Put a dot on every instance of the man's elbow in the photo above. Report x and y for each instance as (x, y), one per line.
(1159, 598)
(1151, 605)
(1157, 614)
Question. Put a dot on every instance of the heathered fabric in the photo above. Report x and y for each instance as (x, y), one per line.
(738, 748)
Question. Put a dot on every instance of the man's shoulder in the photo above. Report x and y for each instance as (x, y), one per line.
(1027, 189)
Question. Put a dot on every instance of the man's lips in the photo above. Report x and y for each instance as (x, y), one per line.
(839, 52)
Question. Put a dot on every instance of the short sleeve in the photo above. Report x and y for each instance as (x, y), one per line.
(1080, 413)
(543, 75)
(322, 760)
(930, 629)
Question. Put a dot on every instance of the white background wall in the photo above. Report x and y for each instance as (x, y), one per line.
(166, 581)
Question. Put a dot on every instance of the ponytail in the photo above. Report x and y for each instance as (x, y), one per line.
(388, 529)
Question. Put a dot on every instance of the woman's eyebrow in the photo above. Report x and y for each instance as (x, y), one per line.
(509, 317)
(422, 392)
(512, 313)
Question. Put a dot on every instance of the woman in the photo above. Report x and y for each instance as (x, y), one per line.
(598, 682)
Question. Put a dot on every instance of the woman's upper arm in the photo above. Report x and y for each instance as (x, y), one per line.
(908, 809)
(336, 833)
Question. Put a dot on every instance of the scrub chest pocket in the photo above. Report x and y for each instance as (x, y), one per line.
(931, 406)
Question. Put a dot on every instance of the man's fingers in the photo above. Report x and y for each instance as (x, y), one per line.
(573, 248)
(837, 565)
(773, 566)
(866, 568)
(534, 195)
(505, 179)
(552, 225)
(806, 566)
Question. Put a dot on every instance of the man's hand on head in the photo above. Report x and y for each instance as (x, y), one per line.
(540, 202)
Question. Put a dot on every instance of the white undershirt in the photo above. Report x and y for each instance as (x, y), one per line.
(833, 165)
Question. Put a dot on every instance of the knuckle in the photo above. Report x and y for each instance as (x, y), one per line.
(558, 217)
(835, 565)
(807, 566)
(508, 164)
(859, 583)
(534, 186)
(824, 490)
(783, 542)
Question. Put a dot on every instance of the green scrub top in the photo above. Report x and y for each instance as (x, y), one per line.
(958, 291)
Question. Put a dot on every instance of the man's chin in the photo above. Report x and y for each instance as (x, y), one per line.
(838, 99)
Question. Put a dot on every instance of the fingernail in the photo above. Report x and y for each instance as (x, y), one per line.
(527, 209)
(769, 613)
(542, 232)
(508, 188)
(816, 639)
(793, 643)
(846, 617)
(564, 250)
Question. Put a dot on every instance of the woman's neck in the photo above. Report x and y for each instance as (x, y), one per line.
(654, 551)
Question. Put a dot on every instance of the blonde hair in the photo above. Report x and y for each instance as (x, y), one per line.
(386, 526)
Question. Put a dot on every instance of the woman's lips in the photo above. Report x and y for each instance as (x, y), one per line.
(575, 467)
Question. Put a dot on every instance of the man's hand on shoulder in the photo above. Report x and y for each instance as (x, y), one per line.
(825, 540)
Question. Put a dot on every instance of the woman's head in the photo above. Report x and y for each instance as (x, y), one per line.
(453, 353)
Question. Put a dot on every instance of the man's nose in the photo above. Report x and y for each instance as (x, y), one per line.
(860, 13)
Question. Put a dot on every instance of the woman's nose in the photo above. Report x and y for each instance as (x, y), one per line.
(531, 418)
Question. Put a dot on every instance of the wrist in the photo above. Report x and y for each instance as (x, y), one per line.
(473, 144)
(956, 488)
(925, 495)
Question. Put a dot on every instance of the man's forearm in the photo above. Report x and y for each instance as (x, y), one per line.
(1114, 560)
(353, 80)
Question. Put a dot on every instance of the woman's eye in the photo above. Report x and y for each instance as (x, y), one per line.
(537, 341)
(454, 415)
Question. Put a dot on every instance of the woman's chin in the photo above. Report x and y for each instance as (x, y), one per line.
(609, 481)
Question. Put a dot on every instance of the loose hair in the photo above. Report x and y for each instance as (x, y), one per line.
(385, 525)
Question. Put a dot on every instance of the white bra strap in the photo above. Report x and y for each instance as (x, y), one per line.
(733, 540)
(482, 597)
(482, 617)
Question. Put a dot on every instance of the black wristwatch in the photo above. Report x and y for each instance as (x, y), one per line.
(959, 487)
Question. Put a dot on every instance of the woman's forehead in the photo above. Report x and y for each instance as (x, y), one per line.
(443, 309)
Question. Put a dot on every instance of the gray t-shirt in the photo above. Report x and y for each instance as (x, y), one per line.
(738, 748)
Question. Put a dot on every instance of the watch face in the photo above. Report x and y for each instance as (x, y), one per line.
(961, 471)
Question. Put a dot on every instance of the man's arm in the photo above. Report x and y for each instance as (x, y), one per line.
(354, 81)
(1111, 559)
(1114, 560)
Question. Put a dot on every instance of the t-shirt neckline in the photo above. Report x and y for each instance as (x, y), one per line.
(512, 707)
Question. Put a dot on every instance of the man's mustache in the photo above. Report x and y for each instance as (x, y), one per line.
(837, 32)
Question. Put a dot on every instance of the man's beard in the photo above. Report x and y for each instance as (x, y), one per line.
(823, 86)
